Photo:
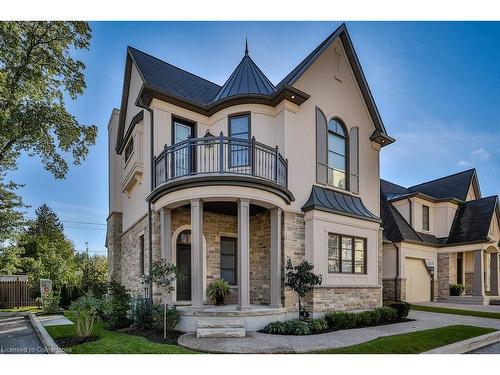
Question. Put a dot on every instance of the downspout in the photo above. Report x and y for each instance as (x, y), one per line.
(397, 274)
(152, 182)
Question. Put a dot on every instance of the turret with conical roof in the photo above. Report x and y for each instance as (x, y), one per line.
(247, 78)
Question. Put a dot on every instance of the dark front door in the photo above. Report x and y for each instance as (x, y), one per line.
(460, 268)
(184, 265)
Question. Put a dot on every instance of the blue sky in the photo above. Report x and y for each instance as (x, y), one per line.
(436, 86)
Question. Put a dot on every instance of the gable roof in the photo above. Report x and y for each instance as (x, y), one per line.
(247, 78)
(247, 84)
(452, 186)
(323, 199)
(472, 221)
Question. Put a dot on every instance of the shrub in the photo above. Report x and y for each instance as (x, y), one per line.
(276, 328)
(456, 289)
(340, 320)
(402, 309)
(387, 314)
(366, 318)
(317, 325)
(218, 290)
(50, 303)
(297, 327)
(85, 310)
(173, 318)
(116, 308)
(141, 313)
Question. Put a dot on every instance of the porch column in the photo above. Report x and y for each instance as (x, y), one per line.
(196, 253)
(478, 283)
(276, 257)
(166, 240)
(494, 282)
(244, 254)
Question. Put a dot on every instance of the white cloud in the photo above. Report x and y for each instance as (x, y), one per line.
(480, 154)
(465, 163)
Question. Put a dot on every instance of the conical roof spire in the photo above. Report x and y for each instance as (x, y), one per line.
(247, 78)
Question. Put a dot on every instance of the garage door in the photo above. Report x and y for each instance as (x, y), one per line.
(418, 281)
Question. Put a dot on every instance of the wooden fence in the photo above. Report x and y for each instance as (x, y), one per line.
(15, 294)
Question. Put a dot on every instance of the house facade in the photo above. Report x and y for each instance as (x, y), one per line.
(232, 181)
(439, 233)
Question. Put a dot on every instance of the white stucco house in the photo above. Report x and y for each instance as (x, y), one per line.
(231, 181)
(438, 233)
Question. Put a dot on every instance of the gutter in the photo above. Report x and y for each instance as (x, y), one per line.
(140, 103)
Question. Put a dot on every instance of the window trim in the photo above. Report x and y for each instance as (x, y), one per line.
(247, 114)
(428, 218)
(353, 260)
(347, 152)
(235, 270)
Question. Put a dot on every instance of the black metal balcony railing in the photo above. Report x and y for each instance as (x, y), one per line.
(221, 155)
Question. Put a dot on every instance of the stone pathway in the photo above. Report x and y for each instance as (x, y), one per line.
(54, 320)
(17, 336)
(256, 342)
(490, 349)
(461, 306)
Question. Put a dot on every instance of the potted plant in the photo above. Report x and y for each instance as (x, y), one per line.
(456, 289)
(218, 290)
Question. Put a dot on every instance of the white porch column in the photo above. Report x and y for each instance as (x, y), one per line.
(494, 281)
(478, 283)
(244, 254)
(166, 240)
(196, 253)
(276, 257)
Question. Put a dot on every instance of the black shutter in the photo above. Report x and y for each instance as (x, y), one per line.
(321, 147)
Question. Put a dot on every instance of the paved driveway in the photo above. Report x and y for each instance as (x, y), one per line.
(490, 349)
(461, 306)
(18, 337)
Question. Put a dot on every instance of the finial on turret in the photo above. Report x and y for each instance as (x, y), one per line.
(246, 46)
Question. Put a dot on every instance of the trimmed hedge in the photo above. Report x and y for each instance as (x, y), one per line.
(337, 320)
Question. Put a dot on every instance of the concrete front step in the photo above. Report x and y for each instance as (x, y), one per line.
(220, 332)
(220, 323)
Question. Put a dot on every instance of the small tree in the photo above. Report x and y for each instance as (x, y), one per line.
(163, 274)
(301, 279)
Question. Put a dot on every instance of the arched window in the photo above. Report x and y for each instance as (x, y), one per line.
(337, 154)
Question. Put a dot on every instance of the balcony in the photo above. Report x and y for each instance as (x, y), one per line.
(222, 159)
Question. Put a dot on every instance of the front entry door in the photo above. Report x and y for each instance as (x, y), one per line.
(184, 266)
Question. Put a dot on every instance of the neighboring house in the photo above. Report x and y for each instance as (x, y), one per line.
(231, 181)
(439, 233)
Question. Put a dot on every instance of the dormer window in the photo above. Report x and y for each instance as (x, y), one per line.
(337, 154)
(425, 217)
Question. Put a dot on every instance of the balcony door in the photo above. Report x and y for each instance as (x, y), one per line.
(239, 152)
(181, 158)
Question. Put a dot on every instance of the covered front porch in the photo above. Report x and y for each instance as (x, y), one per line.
(478, 271)
(235, 239)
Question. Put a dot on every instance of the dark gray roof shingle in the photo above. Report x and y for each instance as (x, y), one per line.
(173, 80)
(336, 202)
(453, 186)
(472, 221)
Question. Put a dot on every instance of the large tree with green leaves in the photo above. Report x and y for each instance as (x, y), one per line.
(37, 69)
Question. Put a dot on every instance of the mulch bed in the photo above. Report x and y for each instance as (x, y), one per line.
(154, 336)
(66, 342)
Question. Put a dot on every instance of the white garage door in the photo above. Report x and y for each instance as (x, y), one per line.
(418, 281)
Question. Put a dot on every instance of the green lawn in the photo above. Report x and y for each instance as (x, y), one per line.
(22, 309)
(446, 310)
(414, 342)
(111, 342)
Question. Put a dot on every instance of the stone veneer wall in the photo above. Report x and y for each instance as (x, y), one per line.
(389, 291)
(346, 298)
(114, 244)
(443, 276)
(260, 258)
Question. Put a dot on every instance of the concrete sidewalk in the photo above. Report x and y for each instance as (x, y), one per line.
(17, 336)
(256, 342)
(461, 306)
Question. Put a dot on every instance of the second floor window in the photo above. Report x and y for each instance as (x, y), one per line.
(425, 217)
(337, 154)
(129, 149)
(239, 127)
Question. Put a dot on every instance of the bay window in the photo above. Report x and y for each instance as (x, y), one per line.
(346, 254)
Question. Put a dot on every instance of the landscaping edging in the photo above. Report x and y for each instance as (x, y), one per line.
(47, 341)
(466, 346)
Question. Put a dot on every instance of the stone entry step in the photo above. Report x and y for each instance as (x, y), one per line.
(220, 328)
